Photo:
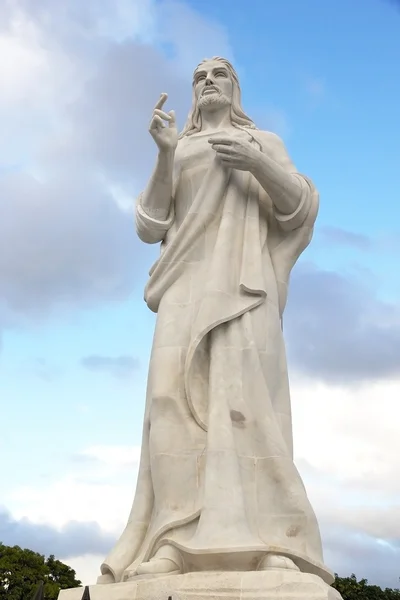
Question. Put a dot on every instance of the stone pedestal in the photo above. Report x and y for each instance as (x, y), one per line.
(228, 585)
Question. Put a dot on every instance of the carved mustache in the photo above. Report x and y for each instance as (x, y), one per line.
(211, 88)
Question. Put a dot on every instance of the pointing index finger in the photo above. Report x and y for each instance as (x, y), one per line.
(161, 101)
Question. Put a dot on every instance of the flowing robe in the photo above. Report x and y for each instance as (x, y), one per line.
(217, 478)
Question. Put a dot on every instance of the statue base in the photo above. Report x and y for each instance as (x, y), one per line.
(212, 585)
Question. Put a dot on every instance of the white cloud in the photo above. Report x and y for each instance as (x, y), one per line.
(350, 434)
(79, 84)
(87, 567)
(346, 448)
(113, 457)
(25, 63)
(98, 486)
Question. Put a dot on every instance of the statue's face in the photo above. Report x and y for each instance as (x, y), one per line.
(213, 85)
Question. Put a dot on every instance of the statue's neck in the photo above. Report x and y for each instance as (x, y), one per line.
(215, 120)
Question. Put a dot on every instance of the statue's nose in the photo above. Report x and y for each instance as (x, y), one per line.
(208, 80)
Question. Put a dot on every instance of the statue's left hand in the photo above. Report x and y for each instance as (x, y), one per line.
(235, 153)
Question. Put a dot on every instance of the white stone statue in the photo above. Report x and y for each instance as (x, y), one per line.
(217, 489)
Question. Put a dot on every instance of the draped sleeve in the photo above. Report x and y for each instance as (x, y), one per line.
(149, 228)
(273, 146)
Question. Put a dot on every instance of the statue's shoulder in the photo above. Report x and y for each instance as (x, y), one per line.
(273, 145)
(267, 137)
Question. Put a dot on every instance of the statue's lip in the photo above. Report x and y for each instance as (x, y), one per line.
(209, 89)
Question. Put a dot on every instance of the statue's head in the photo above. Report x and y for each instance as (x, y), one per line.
(215, 85)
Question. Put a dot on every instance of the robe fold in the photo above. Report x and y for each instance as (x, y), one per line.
(217, 478)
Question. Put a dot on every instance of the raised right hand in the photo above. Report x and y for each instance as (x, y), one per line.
(166, 138)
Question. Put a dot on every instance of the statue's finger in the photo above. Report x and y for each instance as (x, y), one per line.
(172, 122)
(162, 114)
(221, 140)
(161, 101)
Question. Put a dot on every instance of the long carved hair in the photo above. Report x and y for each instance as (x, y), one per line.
(239, 118)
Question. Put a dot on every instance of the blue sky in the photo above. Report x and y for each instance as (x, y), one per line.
(80, 82)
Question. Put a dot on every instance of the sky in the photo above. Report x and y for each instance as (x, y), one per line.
(78, 83)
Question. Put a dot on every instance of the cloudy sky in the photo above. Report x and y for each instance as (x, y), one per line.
(78, 81)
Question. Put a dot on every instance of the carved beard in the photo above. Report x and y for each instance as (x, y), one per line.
(215, 100)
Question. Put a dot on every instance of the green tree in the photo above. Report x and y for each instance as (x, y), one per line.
(352, 589)
(22, 570)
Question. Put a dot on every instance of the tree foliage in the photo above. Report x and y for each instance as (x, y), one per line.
(21, 570)
(351, 589)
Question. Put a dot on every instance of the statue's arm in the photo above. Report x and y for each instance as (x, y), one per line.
(154, 210)
(290, 192)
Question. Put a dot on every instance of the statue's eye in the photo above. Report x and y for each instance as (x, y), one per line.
(200, 78)
(220, 74)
